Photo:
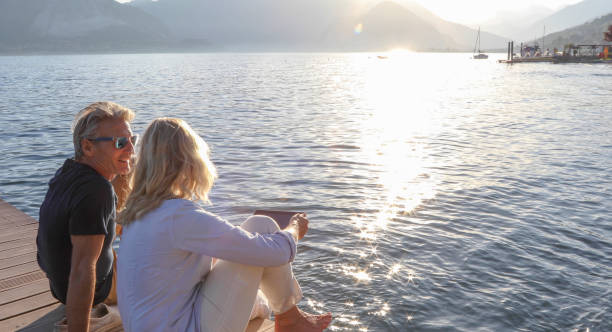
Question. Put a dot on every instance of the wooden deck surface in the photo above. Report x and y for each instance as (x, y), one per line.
(26, 303)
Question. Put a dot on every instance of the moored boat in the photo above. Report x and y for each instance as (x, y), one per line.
(480, 55)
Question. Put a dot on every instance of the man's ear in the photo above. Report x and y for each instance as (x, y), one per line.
(88, 147)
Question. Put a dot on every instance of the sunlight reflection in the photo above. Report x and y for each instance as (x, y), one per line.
(396, 92)
(359, 275)
(396, 120)
(316, 306)
(394, 270)
(399, 52)
(383, 311)
(411, 276)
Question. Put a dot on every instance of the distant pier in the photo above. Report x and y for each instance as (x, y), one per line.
(571, 54)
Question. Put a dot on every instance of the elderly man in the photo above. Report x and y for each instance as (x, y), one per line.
(77, 217)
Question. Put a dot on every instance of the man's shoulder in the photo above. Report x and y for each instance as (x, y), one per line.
(97, 183)
(84, 188)
(84, 178)
(72, 182)
(97, 190)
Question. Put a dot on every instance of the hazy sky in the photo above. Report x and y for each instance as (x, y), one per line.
(474, 11)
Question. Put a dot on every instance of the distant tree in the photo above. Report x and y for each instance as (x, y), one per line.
(608, 34)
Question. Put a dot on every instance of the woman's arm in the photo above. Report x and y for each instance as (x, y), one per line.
(196, 230)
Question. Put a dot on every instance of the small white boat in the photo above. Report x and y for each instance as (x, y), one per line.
(480, 55)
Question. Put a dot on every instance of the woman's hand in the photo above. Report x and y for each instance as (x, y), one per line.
(298, 226)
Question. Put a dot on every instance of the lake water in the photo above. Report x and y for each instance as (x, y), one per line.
(444, 193)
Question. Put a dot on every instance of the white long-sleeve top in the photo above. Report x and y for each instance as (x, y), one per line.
(164, 256)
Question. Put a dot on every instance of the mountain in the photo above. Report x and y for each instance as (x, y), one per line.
(251, 24)
(511, 23)
(567, 17)
(235, 25)
(388, 26)
(589, 33)
(76, 26)
(460, 34)
(319, 25)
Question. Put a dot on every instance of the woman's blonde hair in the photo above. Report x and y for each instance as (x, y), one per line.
(173, 162)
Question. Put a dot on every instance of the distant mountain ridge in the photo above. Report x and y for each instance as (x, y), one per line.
(512, 23)
(76, 25)
(590, 33)
(314, 25)
(461, 34)
(566, 18)
(388, 26)
(251, 24)
(28, 26)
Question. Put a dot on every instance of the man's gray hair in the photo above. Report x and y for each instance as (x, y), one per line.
(86, 122)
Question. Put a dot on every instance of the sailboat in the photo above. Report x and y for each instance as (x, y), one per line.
(479, 55)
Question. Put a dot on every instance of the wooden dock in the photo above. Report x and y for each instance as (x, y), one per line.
(26, 304)
(528, 60)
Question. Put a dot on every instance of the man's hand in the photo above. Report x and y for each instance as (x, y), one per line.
(79, 300)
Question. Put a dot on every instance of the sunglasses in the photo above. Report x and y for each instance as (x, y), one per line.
(120, 141)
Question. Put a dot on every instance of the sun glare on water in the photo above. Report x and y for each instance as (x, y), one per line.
(397, 114)
(399, 103)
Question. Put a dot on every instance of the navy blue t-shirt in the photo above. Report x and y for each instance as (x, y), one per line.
(79, 201)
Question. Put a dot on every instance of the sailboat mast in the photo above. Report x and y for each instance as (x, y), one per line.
(478, 39)
(477, 44)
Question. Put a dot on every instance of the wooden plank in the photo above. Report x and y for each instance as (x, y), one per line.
(26, 305)
(19, 235)
(16, 260)
(15, 219)
(18, 270)
(24, 232)
(15, 244)
(14, 225)
(27, 249)
(21, 280)
(49, 315)
(20, 228)
(17, 222)
(10, 214)
(26, 290)
(39, 320)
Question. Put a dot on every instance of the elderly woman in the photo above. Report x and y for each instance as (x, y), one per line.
(166, 277)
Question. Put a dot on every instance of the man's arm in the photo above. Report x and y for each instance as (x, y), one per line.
(79, 300)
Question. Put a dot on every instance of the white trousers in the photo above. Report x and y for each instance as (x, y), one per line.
(229, 291)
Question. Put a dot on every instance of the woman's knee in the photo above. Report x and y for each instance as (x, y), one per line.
(260, 224)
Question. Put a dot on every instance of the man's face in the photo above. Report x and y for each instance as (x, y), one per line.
(109, 160)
